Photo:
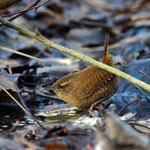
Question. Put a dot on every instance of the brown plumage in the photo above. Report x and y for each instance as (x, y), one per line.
(89, 85)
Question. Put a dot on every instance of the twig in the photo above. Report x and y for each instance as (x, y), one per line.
(126, 41)
(42, 94)
(22, 11)
(20, 53)
(22, 101)
(30, 7)
(28, 113)
(128, 104)
(76, 54)
(141, 125)
(13, 127)
(142, 92)
(130, 40)
(144, 74)
(13, 99)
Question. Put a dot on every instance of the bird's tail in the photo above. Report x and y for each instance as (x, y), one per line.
(107, 58)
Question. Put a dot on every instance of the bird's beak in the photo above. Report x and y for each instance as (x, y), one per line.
(49, 90)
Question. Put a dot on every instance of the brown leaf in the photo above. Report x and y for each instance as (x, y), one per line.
(56, 145)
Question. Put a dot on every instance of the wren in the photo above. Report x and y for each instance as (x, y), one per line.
(89, 86)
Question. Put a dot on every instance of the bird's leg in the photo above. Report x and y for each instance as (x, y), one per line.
(102, 109)
(96, 103)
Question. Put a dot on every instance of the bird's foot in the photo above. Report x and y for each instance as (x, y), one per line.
(93, 106)
(100, 109)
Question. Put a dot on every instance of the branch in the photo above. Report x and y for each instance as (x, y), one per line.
(76, 54)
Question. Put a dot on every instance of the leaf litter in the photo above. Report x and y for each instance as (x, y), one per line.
(78, 25)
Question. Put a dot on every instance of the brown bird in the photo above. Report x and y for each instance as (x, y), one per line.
(90, 86)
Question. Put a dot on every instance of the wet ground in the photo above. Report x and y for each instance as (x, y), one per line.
(79, 25)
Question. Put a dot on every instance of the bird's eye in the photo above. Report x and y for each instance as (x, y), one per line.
(61, 86)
